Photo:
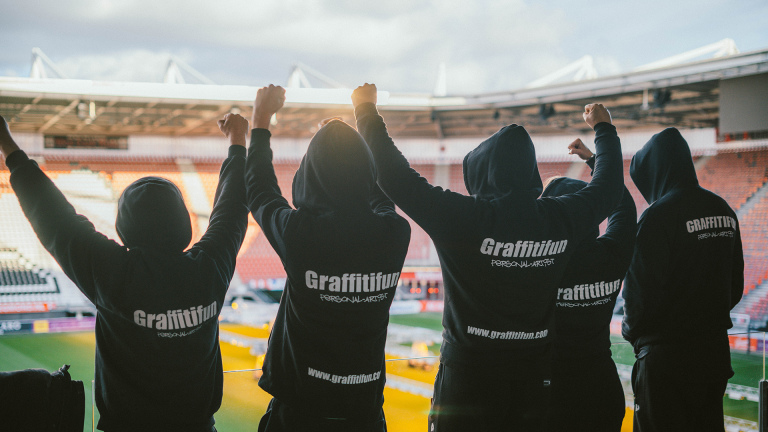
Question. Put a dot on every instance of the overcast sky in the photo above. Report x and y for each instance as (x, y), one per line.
(487, 45)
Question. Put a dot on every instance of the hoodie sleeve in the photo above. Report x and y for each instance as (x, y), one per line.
(617, 244)
(380, 203)
(614, 248)
(645, 294)
(86, 256)
(409, 190)
(265, 201)
(589, 206)
(229, 218)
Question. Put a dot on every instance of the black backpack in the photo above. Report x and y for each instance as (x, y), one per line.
(35, 400)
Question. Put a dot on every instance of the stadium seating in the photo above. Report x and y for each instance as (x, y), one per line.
(755, 244)
(553, 169)
(257, 262)
(94, 183)
(23, 286)
(747, 172)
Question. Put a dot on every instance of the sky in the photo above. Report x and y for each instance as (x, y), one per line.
(486, 45)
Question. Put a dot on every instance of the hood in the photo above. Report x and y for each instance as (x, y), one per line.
(664, 163)
(151, 213)
(559, 186)
(336, 173)
(504, 164)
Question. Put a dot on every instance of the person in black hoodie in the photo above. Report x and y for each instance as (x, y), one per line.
(585, 302)
(686, 274)
(158, 363)
(503, 252)
(343, 248)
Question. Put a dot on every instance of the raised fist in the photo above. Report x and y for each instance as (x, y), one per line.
(234, 127)
(269, 100)
(596, 113)
(579, 149)
(364, 93)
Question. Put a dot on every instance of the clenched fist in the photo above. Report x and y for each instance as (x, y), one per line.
(364, 93)
(234, 127)
(596, 113)
(579, 149)
(269, 100)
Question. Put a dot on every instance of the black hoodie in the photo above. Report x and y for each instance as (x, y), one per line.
(502, 250)
(158, 364)
(343, 249)
(687, 271)
(592, 281)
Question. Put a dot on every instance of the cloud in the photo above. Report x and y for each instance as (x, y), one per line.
(484, 44)
(487, 45)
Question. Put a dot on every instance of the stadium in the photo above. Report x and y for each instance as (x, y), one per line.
(94, 138)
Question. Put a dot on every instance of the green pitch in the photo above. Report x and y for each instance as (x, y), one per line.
(430, 320)
(50, 352)
(244, 402)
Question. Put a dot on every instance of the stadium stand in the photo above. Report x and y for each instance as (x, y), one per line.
(258, 264)
(741, 178)
(118, 173)
(17, 233)
(554, 169)
(93, 184)
(24, 287)
(755, 243)
(747, 172)
(210, 181)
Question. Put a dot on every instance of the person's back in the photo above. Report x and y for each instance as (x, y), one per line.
(158, 364)
(502, 252)
(584, 309)
(684, 278)
(343, 249)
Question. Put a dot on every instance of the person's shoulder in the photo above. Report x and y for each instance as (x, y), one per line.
(715, 199)
(392, 222)
(557, 206)
(667, 203)
(659, 212)
(682, 200)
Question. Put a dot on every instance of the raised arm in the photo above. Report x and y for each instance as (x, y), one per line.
(616, 245)
(409, 190)
(229, 218)
(86, 256)
(618, 241)
(380, 202)
(589, 206)
(267, 205)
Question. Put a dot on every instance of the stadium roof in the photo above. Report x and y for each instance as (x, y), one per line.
(682, 95)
